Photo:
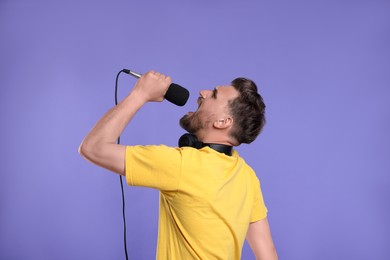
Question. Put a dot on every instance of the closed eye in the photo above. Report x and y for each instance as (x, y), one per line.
(214, 95)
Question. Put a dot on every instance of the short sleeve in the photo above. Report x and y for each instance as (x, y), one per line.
(259, 209)
(156, 167)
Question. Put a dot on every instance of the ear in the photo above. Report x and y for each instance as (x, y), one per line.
(223, 123)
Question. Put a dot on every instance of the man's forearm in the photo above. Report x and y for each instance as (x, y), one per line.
(112, 124)
(99, 144)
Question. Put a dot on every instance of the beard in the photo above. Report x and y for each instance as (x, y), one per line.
(191, 123)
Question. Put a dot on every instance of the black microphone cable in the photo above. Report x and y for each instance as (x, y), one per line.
(120, 176)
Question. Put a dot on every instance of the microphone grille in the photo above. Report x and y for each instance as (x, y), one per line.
(177, 94)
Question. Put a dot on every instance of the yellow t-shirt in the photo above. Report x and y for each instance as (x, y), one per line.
(207, 199)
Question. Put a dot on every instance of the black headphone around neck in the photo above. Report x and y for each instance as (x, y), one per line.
(192, 141)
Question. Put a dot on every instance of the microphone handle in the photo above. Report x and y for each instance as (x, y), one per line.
(132, 73)
(176, 94)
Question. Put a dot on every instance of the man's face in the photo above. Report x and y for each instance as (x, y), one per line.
(212, 106)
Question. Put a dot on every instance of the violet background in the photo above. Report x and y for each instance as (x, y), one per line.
(323, 68)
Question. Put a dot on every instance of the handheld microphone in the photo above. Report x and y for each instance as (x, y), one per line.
(176, 94)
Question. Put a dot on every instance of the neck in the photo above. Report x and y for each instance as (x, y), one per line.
(214, 138)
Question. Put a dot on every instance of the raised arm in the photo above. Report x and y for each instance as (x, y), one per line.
(99, 146)
(260, 240)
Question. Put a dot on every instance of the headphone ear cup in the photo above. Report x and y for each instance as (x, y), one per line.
(189, 140)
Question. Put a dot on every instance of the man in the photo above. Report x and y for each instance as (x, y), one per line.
(209, 201)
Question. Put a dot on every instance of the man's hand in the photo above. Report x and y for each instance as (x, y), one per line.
(152, 86)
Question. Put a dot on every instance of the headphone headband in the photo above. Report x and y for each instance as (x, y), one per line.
(192, 141)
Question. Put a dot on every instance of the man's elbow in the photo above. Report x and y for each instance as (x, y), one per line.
(88, 150)
(106, 155)
(81, 149)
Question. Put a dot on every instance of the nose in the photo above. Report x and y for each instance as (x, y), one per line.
(204, 93)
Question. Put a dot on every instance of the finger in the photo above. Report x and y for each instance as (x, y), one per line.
(161, 76)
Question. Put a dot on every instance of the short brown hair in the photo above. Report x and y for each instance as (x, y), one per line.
(248, 111)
